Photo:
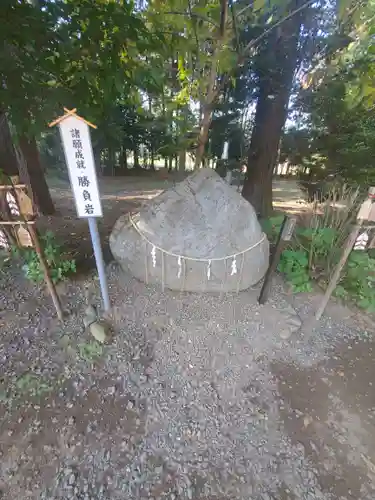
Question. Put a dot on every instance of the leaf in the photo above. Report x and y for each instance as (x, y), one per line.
(258, 5)
(340, 291)
(343, 7)
(181, 70)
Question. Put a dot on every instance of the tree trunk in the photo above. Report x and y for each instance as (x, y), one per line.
(8, 158)
(111, 161)
(152, 160)
(136, 158)
(212, 90)
(31, 173)
(144, 158)
(271, 112)
(170, 164)
(205, 127)
(124, 159)
(97, 159)
(182, 161)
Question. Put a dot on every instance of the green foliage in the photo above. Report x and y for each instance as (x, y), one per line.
(59, 266)
(71, 52)
(346, 148)
(90, 351)
(272, 227)
(358, 281)
(32, 385)
(316, 249)
(142, 72)
(319, 243)
(294, 264)
(336, 101)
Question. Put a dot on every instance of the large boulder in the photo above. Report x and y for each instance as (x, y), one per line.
(199, 235)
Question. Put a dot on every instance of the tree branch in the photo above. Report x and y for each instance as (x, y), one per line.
(234, 24)
(254, 42)
(194, 27)
(223, 17)
(193, 14)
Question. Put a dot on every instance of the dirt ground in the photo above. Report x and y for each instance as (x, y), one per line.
(195, 396)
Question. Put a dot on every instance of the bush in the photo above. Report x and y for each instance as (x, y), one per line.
(316, 248)
(294, 264)
(358, 280)
(272, 226)
(59, 265)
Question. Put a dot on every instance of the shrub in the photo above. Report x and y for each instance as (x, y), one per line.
(59, 265)
(358, 280)
(316, 248)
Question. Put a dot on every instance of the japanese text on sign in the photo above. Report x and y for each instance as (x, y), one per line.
(79, 158)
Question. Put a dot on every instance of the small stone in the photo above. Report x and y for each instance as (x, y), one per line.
(289, 310)
(307, 420)
(294, 321)
(90, 316)
(285, 334)
(99, 331)
(64, 340)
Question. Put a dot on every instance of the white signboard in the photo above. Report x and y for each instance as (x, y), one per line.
(79, 157)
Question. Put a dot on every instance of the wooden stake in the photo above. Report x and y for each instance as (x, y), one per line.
(17, 222)
(285, 235)
(336, 275)
(47, 277)
(10, 187)
(363, 214)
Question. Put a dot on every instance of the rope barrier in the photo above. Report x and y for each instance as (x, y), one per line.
(194, 258)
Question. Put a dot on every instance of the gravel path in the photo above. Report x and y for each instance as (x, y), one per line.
(195, 397)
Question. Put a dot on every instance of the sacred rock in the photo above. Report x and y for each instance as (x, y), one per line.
(199, 235)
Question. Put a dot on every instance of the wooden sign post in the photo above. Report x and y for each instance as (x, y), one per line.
(75, 135)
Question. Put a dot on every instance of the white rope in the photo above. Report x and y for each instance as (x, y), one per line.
(233, 267)
(146, 263)
(179, 262)
(240, 275)
(153, 255)
(154, 247)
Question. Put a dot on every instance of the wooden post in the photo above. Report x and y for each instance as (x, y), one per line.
(363, 214)
(337, 273)
(47, 277)
(285, 235)
(24, 221)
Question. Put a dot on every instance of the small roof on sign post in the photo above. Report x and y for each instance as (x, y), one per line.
(68, 113)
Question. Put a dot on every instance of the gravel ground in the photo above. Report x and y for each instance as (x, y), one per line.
(195, 397)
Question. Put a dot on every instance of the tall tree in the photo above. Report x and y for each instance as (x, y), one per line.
(275, 68)
(67, 53)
